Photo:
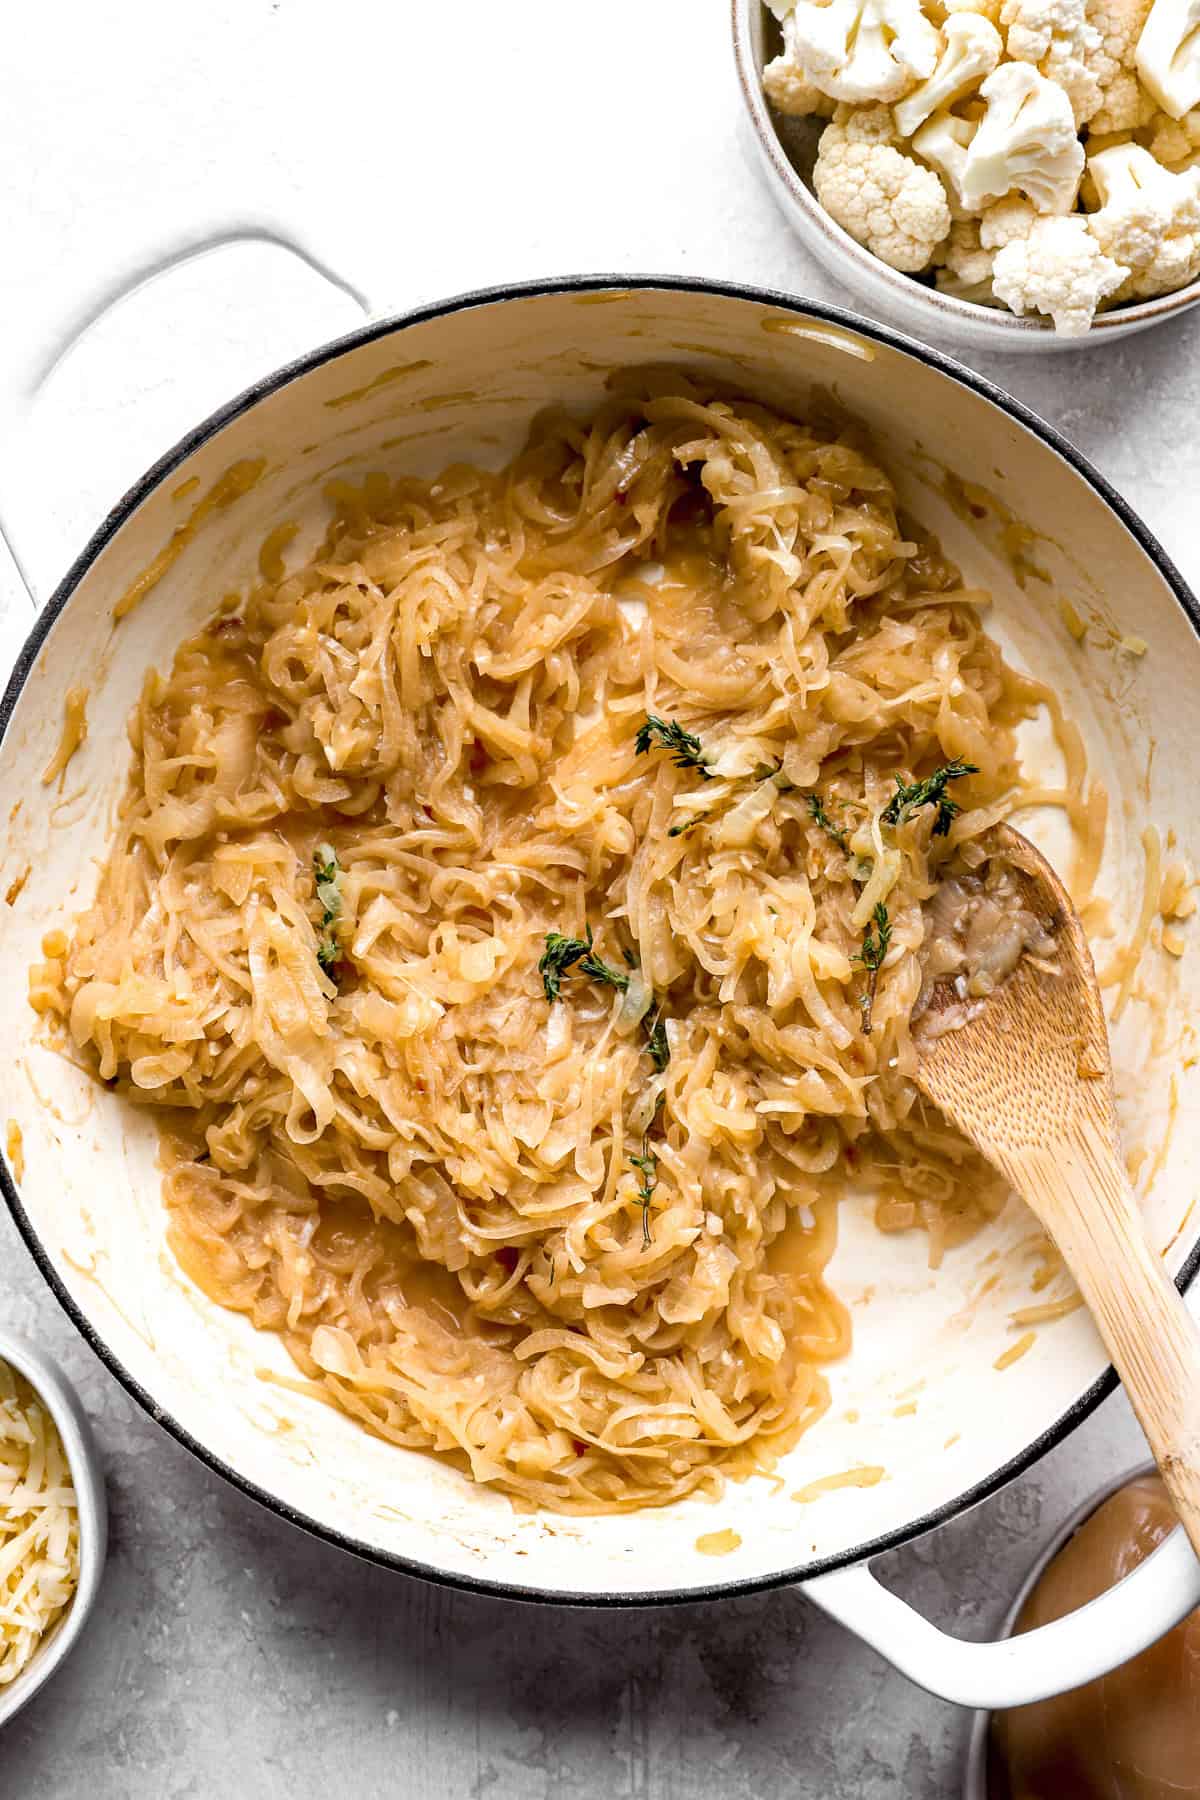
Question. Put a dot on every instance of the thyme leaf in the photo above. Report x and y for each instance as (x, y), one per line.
(647, 1167)
(561, 955)
(603, 972)
(876, 938)
(816, 807)
(558, 956)
(657, 1047)
(687, 752)
(327, 872)
(908, 797)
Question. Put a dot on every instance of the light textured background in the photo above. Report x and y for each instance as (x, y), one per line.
(423, 149)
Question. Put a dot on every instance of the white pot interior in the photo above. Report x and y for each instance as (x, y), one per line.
(933, 1410)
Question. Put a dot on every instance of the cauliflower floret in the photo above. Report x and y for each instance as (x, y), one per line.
(965, 267)
(1124, 103)
(1005, 222)
(1148, 220)
(973, 48)
(1125, 107)
(1089, 199)
(987, 9)
(1027, 140)
(864, 50)
(887, 201)
(1173, 142)
(1168, 55)
(969, 254)
(1055, 37)
(787, 86)
(943, 142)
(1058, 269)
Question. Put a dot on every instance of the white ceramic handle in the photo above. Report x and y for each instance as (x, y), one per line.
(1037, 1664)
(64, 320)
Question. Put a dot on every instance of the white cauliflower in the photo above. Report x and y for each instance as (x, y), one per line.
(1027, 267)
(1056, 39)
(1124, 102)
(943, 142)
(1056, 268)
(1148, 220)
(1173, 142)
(973, 48)
(1168, 55)
(787, 86)
(956, 142)
(964, 266)
(887, 201)
(969, 253)
(1006, 221)
(987, 9)
(864, 50)
(1027, 140)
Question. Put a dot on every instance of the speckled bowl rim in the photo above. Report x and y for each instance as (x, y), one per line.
(975, 1775)
(816, 222)
(62, 1403)
(161, 471)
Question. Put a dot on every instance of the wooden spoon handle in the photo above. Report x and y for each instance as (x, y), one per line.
(1079, 1189)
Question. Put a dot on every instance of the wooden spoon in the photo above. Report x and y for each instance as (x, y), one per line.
(1028, 1080)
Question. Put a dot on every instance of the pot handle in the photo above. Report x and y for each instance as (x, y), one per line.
(53, 331)
(1036, 1665)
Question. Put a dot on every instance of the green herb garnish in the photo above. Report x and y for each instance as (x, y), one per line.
(647, 1167)
(876, 939)
(560, 956)
(687, 752)
(328, 873)
(657, 1047)
(816, 807)
(930, 792)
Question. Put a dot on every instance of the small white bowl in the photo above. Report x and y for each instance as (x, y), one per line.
(936, 317)
(60, 1401)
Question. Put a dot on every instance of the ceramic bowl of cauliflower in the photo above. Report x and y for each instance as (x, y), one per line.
(1005, 174)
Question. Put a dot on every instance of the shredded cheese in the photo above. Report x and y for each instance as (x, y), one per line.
(39, 1525)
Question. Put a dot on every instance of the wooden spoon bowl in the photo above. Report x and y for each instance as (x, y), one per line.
(1027, 1077)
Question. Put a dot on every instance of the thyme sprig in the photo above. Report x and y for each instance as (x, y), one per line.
(876, 938)
(687, 752)
(657, 1047)
(909, 797)
(328, 874)
(647, 1167)
(562, 954)
(816, 807)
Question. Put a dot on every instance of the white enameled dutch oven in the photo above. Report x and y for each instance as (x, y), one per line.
(921, 1397)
